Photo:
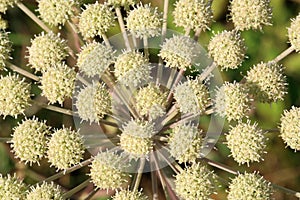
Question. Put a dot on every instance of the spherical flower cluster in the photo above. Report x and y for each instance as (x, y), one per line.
(3, 25)
(46, 50)
(132, 69)
(144, 21)
(246, 142)
(130, 195)
(93, 102)
(107, 171)
(4, 4)
(293, 33)
(14, 95)
(232, 101)
(11, 188)
(56, 12)
(65, 148)
(136, 140)
(249, 186)
(5, 49)
(150, 101)
(193, 14)
(95, 58)
(250, 14)
(196, 182)
(45, 191)
(95, 20)
(192, 97)
(185, 143)
(227, 49)
(267, 82)
(58, 83)
(290, 129)
(123, 3)
(179, 52)
(29, 140)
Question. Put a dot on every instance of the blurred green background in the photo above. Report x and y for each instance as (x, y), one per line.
(281, 165)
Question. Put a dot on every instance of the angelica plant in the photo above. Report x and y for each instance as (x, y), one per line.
(107, 102)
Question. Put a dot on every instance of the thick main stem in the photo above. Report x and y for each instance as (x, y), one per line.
(33, 16)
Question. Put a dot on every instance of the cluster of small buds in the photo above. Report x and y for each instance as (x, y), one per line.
(5, 48)
(185, 143)
(192, 96)
(267, 82)
(144, 21)
(107, 171)
(14, 95)
(11, 188)
(45, 191)
(130, 195)
(227, 49)
(290, 129)
(29, 140)
(3, 25)
(246, 142)
(232, 101)
(193, 14)
(251, 14)
(179, 52)
(65, 148)
(150, 101)
(5, 4)
(132, 69)
(58, 83)
(46, 50)
(196, 182)
(136, 140)
(95, 20)
(95, 58)
(249, 186)
(56, 12)
(93, 102)
(121, 3)
(293, 33)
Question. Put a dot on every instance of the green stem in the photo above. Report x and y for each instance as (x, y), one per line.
(139, 175)
(146, 49)
(22, 71)
(91, 194)
(30, 14)
(54, 108)
(76, 189)
(5, 139)
(197, 34)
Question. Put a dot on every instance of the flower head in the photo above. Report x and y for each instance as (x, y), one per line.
(193, 14)
(29, 140)
(179, 52)
(14, 95)
(45, 191)
(11, 188)
(246, 142)
(5, 4)
(93, 102)
(250, 14)
(290, 129)
(95, 58)
(267, 82)
(46, 50)
(196, 182)
(5, 48)
(232, 101)
(227, 49)
(107, 171)
(192, 96)
(185, 143)
(65, 148)
(123, 3)
(95, 20)
(56, 12)
(293, 33)
(144, 21)
(249, 186)
(130, 195)
(132, 68)
(3, 24)
(58, 83)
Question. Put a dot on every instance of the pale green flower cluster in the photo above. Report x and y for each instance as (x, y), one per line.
(45, 191)
(11, 188)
